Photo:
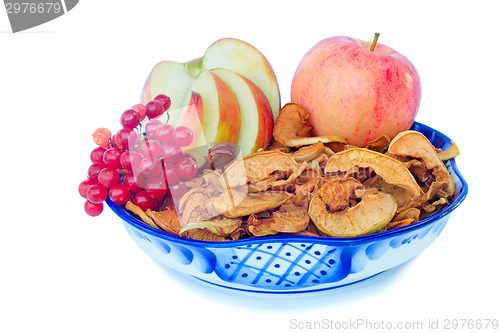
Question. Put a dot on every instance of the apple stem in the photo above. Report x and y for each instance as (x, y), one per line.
(375, 41)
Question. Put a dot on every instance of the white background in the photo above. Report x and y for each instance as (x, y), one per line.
(62, 271)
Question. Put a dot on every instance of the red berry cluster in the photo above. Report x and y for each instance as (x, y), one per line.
(132, 166)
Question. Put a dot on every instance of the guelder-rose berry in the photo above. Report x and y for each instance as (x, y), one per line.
(96, 154)
(130, 160)
(164, 100)
(165, 133)
(84, 186)
(154, 109)
(183, 136)
(93, 209)
(156, 187)
(134, 182)
(177, 190)
(130, 119)
(144, 201)
(150, 149)
(150, 168)
(171, 153)
(109, 177)
(187, 168)
(101, 136)
(141, 109)
(94, 170)
(151, 128)
(111, 158)
(119, 194)
(97, 193)
(125, 138)
(170, 173)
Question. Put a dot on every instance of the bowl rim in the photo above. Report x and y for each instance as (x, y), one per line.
(342, 241)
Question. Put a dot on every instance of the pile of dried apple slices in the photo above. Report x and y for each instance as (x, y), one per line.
(304, 185)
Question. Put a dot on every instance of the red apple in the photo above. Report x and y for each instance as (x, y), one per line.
(354, 92)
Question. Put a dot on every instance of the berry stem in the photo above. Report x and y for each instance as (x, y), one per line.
(374, 41)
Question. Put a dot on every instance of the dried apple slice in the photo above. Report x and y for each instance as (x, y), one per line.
(307, 181)
(203, 235)
(391, 170)
(449, 153)
(403, 198)
(289, 218)
(167, 220)
(379, 145)
(308, 153)
(371, 214)
(336, 193)
(218, 225)
(291, 123)
(295, 174)
(142, 215)
(260, 227)
(398, 224)
(299, 142)
(234, 204)
(190, 201)
(257, 167)
(410, 213)
(417, 146)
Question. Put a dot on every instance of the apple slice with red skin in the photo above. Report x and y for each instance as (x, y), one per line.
(256, 113)
(244, 59)
(220, 116)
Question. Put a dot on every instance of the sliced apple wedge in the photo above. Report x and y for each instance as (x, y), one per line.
(256, 113)
(246, 60)
(299, 142)
(220, 118)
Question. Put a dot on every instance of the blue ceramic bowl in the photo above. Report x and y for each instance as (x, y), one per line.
(287, 264)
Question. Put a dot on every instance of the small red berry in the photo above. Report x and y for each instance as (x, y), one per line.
(119, 194)
(109, 177)
(125, 138)
(96, 154)
(164, 100)
(130, 118)
(101, 136)
(134, 183)
(165, 133)
(154, 109)
(97, 193)
(144, 201)
(93, 209)
(141, 109)
(84, 186)
(151, 128)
